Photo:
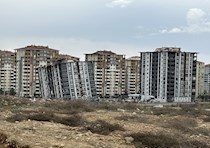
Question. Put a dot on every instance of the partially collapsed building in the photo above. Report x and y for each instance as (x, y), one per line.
(67, 80)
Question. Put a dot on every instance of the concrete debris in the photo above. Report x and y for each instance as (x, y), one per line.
(121, 110)
(129, 140)
(158, 106)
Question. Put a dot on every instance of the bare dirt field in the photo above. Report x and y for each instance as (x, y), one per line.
(26, 123)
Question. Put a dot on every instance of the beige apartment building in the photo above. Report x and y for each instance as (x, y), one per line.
(67, 58)
(200, 69)
(207, 79)
(133, 75)
(109, 73)
(7, 70)
(28, 59)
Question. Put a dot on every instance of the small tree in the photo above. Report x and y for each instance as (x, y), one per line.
(1, 91)
(12, 91)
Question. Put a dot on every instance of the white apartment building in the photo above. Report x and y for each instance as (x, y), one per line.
(168, 74)
(7, 70)
(28, 59)
(109, 71)
(67, 80)
(133, 75)
(200, 70)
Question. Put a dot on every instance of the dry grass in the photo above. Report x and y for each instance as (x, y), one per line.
(72, 120)
(11, 144)
(134, 118)
(13, 102)
(3, 138)
(69, 107)
(181, 120)
(206, 119)
(183, 125)
(17, 117)
(165, 111)
(203, 131)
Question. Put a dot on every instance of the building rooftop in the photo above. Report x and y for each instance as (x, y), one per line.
(104, 52)
(134, 58)
(200, 62)
(172, 49)
(67, 57)
(34, 47)
(6, 52)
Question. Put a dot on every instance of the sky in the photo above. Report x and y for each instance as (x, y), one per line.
(77, 27)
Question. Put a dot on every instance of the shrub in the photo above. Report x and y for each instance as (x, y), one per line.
(207, 119)
(202, 131)
(130, 106)
(42, 117)
(153, 141)
(99, 126)
(17, 117)
(107, 106)
(73, 120)
(187, 110)
(185, 125)
(10, 144)
(103, 128)
(3, 138)
(197, 144)
(161, 140)
(15, 144)
(135, 118)
(165, 111)
(69, 107)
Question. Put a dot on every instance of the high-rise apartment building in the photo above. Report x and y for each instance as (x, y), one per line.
(132, 75)
(67, 58)
(67, 80)
(168, 74)
(207, 79)
(200, 70)
(28, 60)
(109, 71)
(7, 70)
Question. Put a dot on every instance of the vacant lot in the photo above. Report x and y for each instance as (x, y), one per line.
(27, 123)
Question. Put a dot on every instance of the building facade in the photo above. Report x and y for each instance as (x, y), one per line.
(168, 74)
(200, 70)
(207, 80)
(67, 58)
(28, 59)
(7, 71)
(109, 72)
(133, 75)
(67, 80)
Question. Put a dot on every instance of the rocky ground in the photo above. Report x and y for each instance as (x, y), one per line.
(78, 124)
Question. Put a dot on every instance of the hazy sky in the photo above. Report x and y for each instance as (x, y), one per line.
(127, 27)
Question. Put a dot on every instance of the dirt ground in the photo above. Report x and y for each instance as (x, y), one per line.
(107, 126)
